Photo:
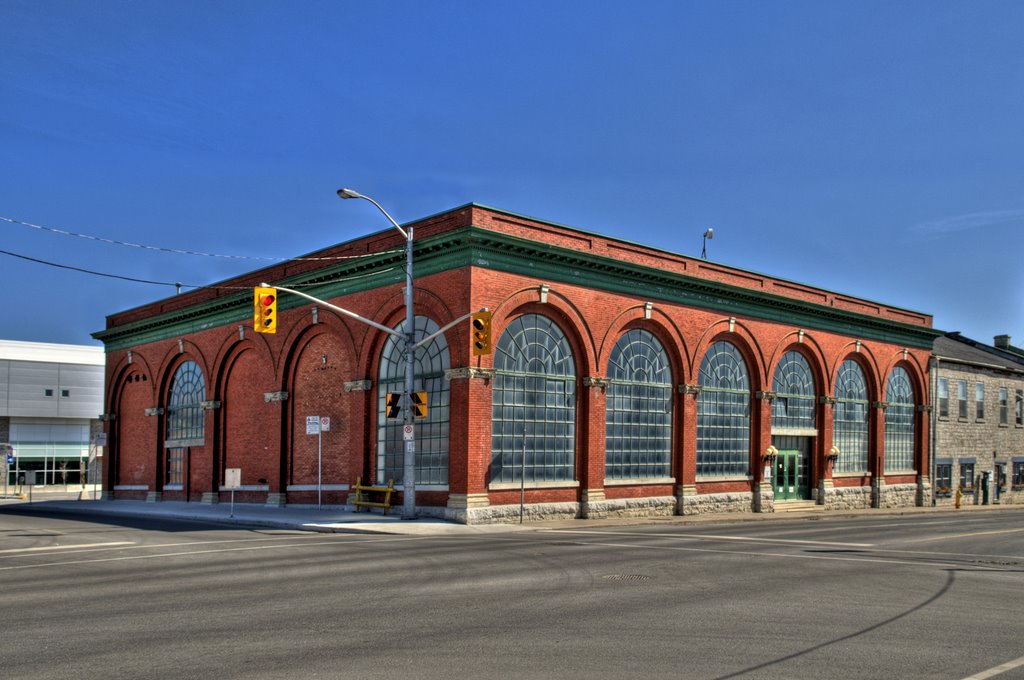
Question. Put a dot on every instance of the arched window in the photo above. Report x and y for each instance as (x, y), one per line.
(432, 360)
(723, 413)
(638, 434)
(185, 421)
(534, 394)
(795, 398)
(850, 419)
(899, 422)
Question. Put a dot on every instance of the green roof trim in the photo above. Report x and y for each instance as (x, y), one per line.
(478, 247)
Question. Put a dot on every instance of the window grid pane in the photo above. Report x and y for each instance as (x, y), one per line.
(432, 360)
(185, 417)
(850, 418)
(534, 394)
(638, 434)
(723, 413)
(899, 422)
(795, 398)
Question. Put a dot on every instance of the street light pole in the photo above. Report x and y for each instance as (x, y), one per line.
(409, 460)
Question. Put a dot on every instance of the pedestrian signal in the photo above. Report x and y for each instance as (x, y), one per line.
(393, 404)
(419, 404)
(480, 328)
(265, 314)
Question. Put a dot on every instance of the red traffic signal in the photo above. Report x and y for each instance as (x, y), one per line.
(265, 310)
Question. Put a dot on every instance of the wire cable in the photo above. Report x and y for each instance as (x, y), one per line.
(177, 284)
(177, 251)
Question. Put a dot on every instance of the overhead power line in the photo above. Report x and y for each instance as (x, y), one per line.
(174, 284)
(178, 251)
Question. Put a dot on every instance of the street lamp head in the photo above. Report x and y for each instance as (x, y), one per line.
(348, 193)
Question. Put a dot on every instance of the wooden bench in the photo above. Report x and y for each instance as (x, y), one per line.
(365, 492)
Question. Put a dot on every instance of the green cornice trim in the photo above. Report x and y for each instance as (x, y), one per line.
(477, 247)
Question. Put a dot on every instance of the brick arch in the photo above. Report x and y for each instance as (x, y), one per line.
(392, 312)
(172, 359)
(132, 444)
(661, 326)
(559, 309)
(865, 358)
(744, 340)
(810, 350)
(914, 370)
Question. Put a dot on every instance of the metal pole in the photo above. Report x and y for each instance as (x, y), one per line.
(522, 479)
(409, 461)
(409, 468)
(319, 464)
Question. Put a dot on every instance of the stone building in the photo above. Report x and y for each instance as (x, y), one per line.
(978, 421)
(624, 380)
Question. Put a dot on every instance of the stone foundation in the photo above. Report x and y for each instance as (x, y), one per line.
(847, 498)
(713, 503)
(509, 514)
(896, 496)
(656, 506)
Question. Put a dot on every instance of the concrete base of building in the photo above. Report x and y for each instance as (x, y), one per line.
(154, 496)
(210, 498)
(277, 500)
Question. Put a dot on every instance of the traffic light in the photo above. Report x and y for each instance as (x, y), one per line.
(265, 314)
(393, 404)
(480, 328)
(419, 404)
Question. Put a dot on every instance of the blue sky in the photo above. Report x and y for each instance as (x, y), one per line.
(872, 148)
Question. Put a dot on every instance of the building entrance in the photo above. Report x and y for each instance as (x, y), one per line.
(791, 476)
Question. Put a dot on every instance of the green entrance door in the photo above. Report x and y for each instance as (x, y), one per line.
(790, 478)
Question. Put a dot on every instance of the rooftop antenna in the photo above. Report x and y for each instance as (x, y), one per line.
(708, 235)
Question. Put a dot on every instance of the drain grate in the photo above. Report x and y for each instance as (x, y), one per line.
(626, 577)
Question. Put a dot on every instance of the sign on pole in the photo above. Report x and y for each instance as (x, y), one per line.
(325, 423)
(233, 478)
(407, 433)
(312, 424)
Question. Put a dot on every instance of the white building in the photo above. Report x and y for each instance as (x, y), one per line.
(51, 397)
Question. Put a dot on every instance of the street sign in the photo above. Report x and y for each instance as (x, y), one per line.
(325, 424)
(233, 478)
(10, 459)
(407, 433)
(312, 424)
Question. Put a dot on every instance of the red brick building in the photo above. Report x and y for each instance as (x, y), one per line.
(624, 380)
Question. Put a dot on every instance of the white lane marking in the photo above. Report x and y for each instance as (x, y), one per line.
(745, 539)
(125, 558)
(945, 537)
(798, 556)
(997, 670)
(67, 547)
(892, 551)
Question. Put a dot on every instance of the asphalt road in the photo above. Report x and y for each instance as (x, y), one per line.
(921, 596)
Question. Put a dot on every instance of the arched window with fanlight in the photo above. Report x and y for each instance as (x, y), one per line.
(723, 413)
(533, 403)
(638, 431)
(431, 362)
(850, 418)
(185, 419)
(793, 407)
(899, 422)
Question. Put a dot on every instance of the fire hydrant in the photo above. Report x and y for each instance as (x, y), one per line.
(959, 495)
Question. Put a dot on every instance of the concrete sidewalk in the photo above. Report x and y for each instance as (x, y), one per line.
(341, 519)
